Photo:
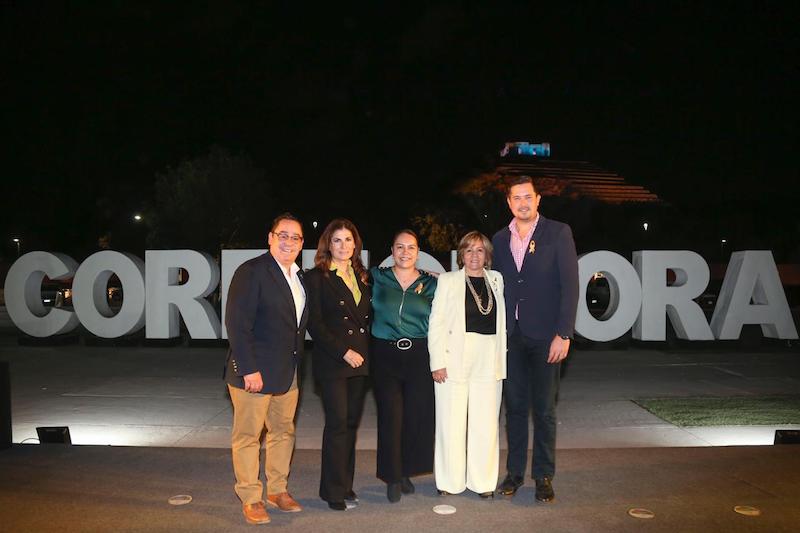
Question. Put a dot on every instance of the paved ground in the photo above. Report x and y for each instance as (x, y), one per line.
(174, 396)
(105, 488)
(166, 410)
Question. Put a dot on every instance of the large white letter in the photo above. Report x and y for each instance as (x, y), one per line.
(166, 300)
(23, 293)
(691, 279)
(752, 274)
(90, 298)
(625, 296)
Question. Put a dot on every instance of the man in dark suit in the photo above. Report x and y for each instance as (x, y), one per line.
(266, 320)
(540, 267)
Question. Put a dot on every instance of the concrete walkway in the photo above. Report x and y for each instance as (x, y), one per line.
(174, 396)
(102, 488)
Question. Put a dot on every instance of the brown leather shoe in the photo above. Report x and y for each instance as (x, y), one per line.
(255, 513)
(284, 502)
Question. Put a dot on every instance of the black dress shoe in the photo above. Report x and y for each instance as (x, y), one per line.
(442, 492)
(337, 506)
(393, 492)
(544, 490)
(351, 497)
(487, 495)
(406, 486)
(510, 485)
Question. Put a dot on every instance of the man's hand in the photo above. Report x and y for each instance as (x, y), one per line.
(558, 350)
(253, 382)
(353, 358)
(440, 375)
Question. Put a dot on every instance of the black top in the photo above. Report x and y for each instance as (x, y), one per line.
(476, 322)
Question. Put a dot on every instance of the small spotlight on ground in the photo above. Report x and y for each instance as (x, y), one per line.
(747, 510)
(641, 513)
(179, 499)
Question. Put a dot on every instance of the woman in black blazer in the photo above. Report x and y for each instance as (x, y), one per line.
(339, 316)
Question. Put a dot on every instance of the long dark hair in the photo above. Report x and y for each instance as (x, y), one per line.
(322, 260)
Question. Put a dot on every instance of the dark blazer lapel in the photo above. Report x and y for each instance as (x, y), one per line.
(346, 295)
(304, 316)
(505, 249)
(541, 227)
(283, 287)
(362, 309)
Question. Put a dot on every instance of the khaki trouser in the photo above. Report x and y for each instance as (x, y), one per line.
(252, 412)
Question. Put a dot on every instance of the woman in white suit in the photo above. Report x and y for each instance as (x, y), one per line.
(467, 345)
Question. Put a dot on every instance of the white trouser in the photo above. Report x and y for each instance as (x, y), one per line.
(469, 406)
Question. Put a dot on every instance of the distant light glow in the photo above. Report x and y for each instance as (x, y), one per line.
(526, 148)
(314, 224)
(137, 217)
(645, 226)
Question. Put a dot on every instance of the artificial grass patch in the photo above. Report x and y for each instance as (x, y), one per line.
(729, 411)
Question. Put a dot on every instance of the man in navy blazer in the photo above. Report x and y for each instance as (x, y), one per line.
(540, 267)
(266, 317)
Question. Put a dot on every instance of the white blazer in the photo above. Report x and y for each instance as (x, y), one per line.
(447, 324)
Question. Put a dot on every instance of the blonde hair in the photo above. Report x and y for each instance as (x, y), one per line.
(469, 238)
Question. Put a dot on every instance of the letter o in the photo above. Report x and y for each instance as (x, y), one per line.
(625, 296)
(90, 299)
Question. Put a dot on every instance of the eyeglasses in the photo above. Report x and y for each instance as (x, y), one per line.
(284, 236)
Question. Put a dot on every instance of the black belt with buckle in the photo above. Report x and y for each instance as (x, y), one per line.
(403, 344)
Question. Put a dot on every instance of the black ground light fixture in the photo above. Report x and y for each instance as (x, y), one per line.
(5, 406)
(787, 436)
(54, 435)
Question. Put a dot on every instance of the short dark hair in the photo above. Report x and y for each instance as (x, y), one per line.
(285, 216)
(519, 179)
(406, 230)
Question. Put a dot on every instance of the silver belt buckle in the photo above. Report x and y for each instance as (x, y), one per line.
(403, 344)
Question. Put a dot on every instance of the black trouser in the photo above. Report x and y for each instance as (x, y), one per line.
(343, 401)
(403, 389)
(531, 382)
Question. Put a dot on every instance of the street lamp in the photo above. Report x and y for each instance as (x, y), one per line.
(722, 243)
(17, 242)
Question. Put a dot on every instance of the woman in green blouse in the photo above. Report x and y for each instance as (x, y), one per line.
(400, 365)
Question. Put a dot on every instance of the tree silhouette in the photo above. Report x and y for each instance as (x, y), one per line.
(217, 200)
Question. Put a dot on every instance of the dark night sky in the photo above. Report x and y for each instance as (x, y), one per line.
(698, 103)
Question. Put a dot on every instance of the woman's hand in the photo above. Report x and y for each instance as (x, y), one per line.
(439, 376)
(353, 358)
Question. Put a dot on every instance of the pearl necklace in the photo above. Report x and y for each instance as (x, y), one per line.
(490, 305)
